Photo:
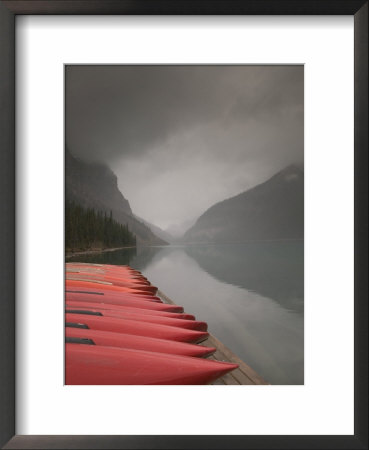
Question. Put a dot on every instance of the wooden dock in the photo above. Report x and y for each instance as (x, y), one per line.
(244, 375)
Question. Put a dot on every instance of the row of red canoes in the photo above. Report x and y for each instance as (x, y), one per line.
(118, 331)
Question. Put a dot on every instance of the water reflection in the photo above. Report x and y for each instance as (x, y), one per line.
(274, 269)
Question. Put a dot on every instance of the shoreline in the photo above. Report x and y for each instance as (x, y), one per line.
(177, 244)
(96, 250)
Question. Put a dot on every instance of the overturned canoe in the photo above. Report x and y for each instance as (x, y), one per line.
(99, 365)
(110, 339)
(114, 295)
(106, 287)
(132, 309)
(103, 268)
(189, 324)
(112, 278)
(124, 300)
(135, 327)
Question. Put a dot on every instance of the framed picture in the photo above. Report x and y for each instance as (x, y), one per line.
(297, 59)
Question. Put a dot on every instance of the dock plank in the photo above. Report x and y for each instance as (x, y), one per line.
(238, 376)
(244, 368)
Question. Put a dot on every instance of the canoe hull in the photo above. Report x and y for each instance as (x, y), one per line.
(136, 327)
(116, 366)
(123, 301)
(188, 324)
(132, 309)
(109, 339)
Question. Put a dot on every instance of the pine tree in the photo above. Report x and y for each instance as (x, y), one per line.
(86, 227)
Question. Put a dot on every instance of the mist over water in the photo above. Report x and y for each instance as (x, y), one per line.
(250, 294)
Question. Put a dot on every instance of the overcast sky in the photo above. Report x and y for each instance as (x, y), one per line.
(181, 138)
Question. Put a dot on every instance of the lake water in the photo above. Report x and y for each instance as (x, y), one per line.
(251, 295)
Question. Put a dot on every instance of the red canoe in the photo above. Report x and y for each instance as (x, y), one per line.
(109, 339)
(115, 295)
(103, 268)
(136, 327)
(82, 283)
(99, 291)
(124, 301)
(118, 366)
(122, 276)
(132, 309)
(109, 277)
(112, 282)
(188, 324)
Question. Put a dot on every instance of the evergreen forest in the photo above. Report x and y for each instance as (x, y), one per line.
(87, 228)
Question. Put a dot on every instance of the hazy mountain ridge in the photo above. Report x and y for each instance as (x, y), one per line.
(177, 230)
(94, 185)
(159, 232)
(271, 210)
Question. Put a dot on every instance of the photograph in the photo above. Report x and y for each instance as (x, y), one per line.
(184, 224)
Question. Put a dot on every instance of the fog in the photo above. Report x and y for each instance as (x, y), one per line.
(181, 138)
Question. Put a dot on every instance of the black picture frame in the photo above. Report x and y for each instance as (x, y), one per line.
(8, 11)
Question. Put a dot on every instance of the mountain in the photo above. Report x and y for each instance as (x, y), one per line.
(94, 185)
(271, 210)
(177, 230)
(162, 234)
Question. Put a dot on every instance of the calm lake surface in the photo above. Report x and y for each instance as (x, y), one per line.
(251, 295)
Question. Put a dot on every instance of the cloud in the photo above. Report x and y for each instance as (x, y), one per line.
(181, 138)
